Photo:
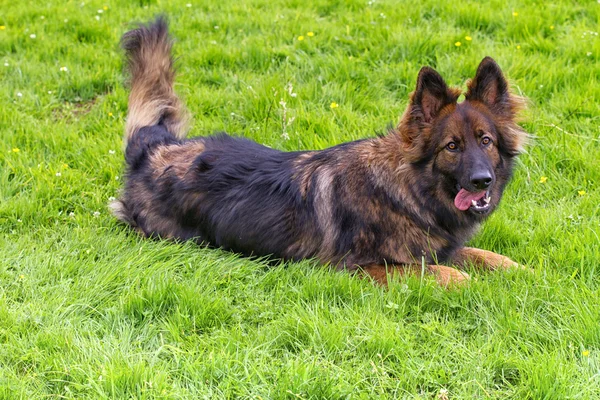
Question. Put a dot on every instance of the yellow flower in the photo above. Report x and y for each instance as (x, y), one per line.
(585, 353)
(2, 27)
(334, 105)
(65, 165)
(23, 277)
(105, 8)
(310, 34)
(15, 150)
(518, 47)
(543, 179)
(581, 192)
(551, 27)
(468, 38)
(457, 44)
(110, 114)
(300, 37)
(515, 14)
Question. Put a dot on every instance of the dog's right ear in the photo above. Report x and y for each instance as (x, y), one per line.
(431, 95)
(426, 102)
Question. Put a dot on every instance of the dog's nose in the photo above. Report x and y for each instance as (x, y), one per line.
(481, 180)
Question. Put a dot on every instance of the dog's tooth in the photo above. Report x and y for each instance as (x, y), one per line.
(487, 200)
(474, 203)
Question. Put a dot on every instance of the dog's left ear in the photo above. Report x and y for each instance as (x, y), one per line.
(490, 87)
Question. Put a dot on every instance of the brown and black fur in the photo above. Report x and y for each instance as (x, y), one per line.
(379, 204)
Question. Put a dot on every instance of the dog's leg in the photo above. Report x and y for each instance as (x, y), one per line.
(483, 259)
(445, 276)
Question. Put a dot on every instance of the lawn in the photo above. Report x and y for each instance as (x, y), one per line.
(90, 310)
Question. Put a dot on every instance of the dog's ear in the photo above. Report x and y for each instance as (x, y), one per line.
(426, 102)
(431, 95)
(490, 87)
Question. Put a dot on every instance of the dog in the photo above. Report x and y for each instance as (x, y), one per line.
(401, 202)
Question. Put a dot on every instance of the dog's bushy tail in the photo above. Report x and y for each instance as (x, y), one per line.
(152, 100)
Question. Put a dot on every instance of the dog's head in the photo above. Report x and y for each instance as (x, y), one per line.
(468, 147)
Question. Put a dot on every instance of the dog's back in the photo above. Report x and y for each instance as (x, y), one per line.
(227, 191)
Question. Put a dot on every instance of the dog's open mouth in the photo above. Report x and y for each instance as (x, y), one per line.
(478, 202)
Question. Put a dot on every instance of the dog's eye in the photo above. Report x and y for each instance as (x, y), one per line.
(452, 146)
(486, 140)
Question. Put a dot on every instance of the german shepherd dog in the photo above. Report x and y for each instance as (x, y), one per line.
(403, 202)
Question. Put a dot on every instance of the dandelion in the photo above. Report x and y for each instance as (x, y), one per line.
(585, 353)
(105, 8)
(515, 14)
(300, 37)
(518, 47)
(110, 114)
(334, 105)
(32, 36)
(65, 165)
(64, 69)
(2, 27)
(310, 34)
(21, 277)
(457, 44)
(543, 179)
(468, 38)
(15, 150)
(551, 27)
(581, 192)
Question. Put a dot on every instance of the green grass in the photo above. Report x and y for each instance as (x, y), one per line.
(89, 310)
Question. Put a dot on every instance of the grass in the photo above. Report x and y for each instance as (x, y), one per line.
(89, 310)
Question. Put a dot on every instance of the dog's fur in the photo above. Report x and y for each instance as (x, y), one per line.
(378, 204)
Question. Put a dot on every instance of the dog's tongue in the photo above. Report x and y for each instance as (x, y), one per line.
(464, 199)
